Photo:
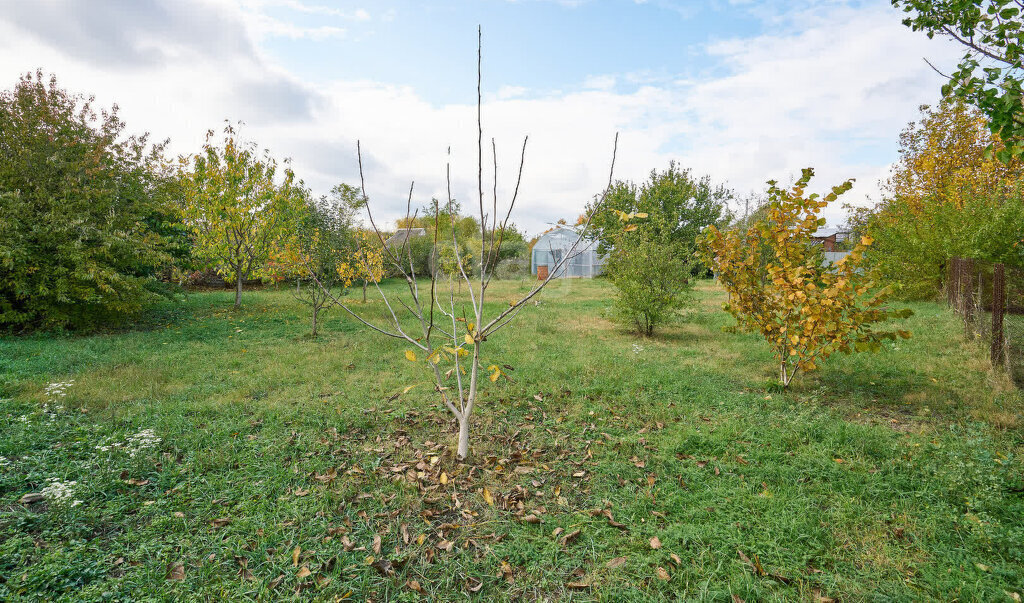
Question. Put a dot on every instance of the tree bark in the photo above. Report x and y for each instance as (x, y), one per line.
(316, 311)
(364, 291)
(463, 450)
(238, 287)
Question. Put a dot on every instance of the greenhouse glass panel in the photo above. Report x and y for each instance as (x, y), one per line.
(553, 248)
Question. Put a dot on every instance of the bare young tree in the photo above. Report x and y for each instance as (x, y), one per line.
(446, 330)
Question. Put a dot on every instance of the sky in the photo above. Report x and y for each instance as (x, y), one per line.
(743, 91)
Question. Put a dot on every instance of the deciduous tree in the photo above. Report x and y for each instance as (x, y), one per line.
(445, 330)
(87, 223)
(679, 206)
(233, 205)
(991, 72)
(805, 309)
(944, 190)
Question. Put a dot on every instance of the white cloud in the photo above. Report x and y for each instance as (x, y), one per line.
(828, 95)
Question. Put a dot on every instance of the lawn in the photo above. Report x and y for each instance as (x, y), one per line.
(609, 467)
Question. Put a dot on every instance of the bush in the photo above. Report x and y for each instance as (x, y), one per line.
(87, 223)
(779, 286)
(651, 278)
(512, 269)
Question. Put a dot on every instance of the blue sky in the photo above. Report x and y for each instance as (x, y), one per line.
(543, 46)
(742, 90)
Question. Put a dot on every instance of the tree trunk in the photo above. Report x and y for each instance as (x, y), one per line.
(238, 287)
(463, 451)
(316, 311)
(364, 291)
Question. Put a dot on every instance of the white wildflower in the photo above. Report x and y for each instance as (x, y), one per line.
(133, 444)
(57, 390)
(5, 462)
(637, 348)
(141, 441)
(60, 494)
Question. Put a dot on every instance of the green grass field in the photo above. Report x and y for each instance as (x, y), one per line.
(284, 471)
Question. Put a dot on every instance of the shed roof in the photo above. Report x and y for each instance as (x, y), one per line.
(400, 237)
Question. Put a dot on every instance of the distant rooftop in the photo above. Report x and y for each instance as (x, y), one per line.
(400, 237)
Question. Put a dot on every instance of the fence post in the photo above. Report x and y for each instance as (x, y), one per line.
(998, 307)
(967, 295)
(951, 274)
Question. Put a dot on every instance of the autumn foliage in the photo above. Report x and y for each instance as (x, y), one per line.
(947, 196)
(779, 285)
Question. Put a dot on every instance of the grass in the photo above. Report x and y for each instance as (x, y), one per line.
(894, 476)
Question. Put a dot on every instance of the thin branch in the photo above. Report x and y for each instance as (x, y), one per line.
(369, 213)
(935, 69)
(512, 204)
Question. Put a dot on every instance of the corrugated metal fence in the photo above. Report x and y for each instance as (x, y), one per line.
(990, 300)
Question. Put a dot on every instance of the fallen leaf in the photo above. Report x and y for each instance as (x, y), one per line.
(220, 522)
(31, 498)
(617, 562)
(570, 537)
(473, 585)
(662, 574)
(273, 583)
(577, 585)
(531, 518)
(676, 560)
(488, 498)
(376, 543)
(175, 571)
(445, 545)
(415, 586)
(179, 514)
(655, 543)
(295, 556)
(383, 566)
(303, 573)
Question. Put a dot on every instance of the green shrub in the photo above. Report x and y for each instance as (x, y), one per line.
(651, 278)
(86, 220)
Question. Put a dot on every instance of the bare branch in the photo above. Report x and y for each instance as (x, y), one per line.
(512, 204)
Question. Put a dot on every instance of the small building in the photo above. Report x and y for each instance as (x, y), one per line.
(831, 239)
(399, 238)
(552, 252)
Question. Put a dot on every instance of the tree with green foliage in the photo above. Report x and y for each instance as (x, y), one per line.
(942, 200)
(805, 309)
(651, 276)
(323, 233)
(87, 223)
(235, 209)
(678, 204)
(436, 248)
(990, 73)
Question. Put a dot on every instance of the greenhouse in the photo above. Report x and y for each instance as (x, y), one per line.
(554, 246)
